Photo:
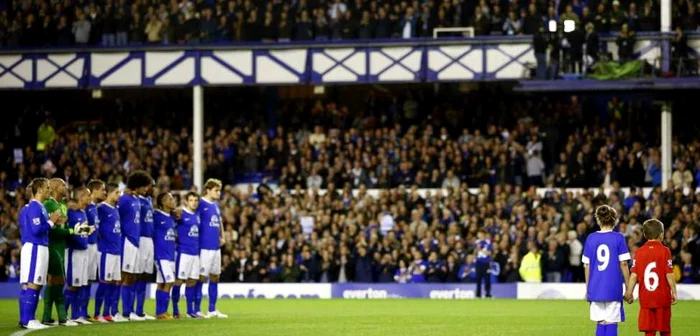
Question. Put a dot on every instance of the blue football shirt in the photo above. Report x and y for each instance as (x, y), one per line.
(188, 233)
(210, 222)
(130, 217)
(604, 250)
(109, 229)
(91, 212)
(164, 236)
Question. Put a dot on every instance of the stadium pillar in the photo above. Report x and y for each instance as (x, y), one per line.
(197, 134)
(666, 29)
(666, 140)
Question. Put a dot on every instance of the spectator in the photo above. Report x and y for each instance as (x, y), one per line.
(480, 22)
(467, 271)
(625, 44)
(601, 19)
(682, 177)
(535, 169)
(269, 29)
(554, 262)
(63, 33)
(136, 29)
(592, 44)
(530, 267)
(81, 29)
(290, 271)
(304, 28)
(618, 17)
(207, 27)
(337, 10)
(402, 274)
(575, 252)
(531, 22)
(153, 30)
(649, 19)
(109, 26)
(484, 251)
(512, 25)
(496, 21)
(451, 181)
(540, 47)
(408, 24)
(633, 18)
(387, 270)
(569, 15)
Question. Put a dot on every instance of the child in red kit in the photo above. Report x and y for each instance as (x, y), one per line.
(657, 290)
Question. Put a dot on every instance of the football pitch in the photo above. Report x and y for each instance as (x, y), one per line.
(380, 317)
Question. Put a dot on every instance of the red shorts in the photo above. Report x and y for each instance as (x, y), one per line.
(655, 319)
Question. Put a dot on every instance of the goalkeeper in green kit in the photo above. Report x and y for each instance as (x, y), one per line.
(53, 294)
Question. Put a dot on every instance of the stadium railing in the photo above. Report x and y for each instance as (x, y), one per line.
(333, 62)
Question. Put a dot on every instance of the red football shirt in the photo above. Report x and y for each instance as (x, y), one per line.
(651, 264)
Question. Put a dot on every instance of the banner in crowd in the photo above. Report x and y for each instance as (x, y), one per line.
(577, 291)
(417, 291)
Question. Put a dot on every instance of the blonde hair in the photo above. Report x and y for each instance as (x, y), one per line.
(212, 183)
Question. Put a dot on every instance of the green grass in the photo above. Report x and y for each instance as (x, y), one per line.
(381, 317)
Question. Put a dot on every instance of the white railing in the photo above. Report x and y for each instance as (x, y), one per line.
(466, 31)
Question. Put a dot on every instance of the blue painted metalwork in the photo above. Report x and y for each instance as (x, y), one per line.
(383, 61)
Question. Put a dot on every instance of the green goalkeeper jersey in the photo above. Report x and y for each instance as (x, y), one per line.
(57, 237)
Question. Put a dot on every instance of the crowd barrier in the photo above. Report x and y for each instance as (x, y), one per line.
(374, 291)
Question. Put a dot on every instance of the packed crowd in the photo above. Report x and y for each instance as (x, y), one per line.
(122, 22)
(356, 237)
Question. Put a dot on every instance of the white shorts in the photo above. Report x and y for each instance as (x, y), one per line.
(209, 262)
(130, 257)
(607, 311)
(166, 271)
(34, 264)
(93, 261)
(146, 257)
(76, 267)
(187, 266)
(110, 267)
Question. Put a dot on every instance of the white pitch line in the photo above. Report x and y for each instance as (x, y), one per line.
(21, 332)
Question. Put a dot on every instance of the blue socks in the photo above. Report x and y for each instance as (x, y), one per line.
(99, 297)
(27, 307)
(190, 297)
(69, 297)
(29, 300)
(86, 301)
(198, 297)
(176, 299)
(140, 290)
(162, 300)
(606, 330)
(213, 295)
(22, 302)
(106, 299)
(127, 299)
(114, 300)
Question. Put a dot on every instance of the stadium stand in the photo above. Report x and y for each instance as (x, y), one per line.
(316, 229)
(121, 22)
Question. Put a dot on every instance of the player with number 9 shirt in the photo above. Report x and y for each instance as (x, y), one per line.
(605, 257)
(657, 292)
